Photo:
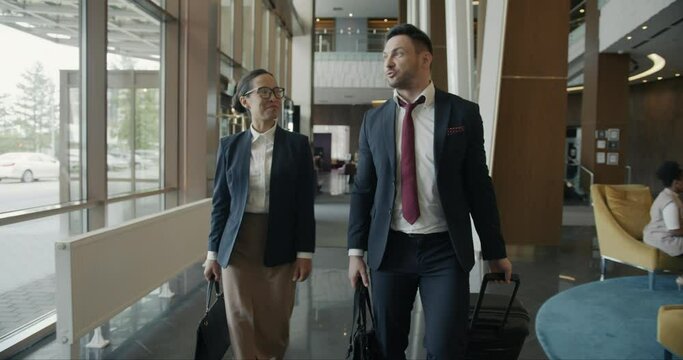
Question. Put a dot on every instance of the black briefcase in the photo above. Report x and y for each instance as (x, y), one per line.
(213, 337)
(362, 342)
(499, 324)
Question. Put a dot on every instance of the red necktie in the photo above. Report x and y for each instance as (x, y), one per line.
(411, 208)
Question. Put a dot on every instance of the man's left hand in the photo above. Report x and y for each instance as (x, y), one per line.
(302, 269)
(502, 266)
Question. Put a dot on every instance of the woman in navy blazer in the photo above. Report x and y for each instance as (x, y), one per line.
(262, 234)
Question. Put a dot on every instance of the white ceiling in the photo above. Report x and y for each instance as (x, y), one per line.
(130, 30)
(359, 8)
(663, 36)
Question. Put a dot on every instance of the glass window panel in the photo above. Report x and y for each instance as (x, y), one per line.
(122, 211)
(39, 107)
(276, 66)
(247, 34)
(265, 33)
(28, 292)
(227, 24)
(133, 99)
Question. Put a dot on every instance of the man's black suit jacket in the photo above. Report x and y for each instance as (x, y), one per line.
(462, 177)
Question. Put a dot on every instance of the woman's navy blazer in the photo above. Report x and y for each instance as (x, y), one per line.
(291, 224)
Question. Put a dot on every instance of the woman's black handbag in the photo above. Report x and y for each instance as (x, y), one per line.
(362, 342)
(213, 338)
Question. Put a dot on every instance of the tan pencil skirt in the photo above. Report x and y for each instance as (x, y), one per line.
(258, 299)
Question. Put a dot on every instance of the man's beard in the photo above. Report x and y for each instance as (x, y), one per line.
(402, 81)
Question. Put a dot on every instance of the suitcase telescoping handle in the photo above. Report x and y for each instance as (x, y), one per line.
(495, 277)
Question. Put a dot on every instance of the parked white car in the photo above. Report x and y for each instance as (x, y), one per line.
(28, 166)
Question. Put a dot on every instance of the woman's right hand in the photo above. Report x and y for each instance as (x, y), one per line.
(212, 270)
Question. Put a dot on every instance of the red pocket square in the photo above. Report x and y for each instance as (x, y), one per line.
(456, 130)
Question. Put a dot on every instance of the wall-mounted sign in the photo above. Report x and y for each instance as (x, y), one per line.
(601, 144)
(612, 158)
(613, 134)
(600, 157)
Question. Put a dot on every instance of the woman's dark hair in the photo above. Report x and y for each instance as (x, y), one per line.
(420, 40)
(668, 172)
(244, 86)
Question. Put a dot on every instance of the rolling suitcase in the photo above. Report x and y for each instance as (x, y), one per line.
(499, 324)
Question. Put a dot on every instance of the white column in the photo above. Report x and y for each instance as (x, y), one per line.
(489, 87)
(302, 68)
(424, 14)
(459, 47)
(491, 71)
(412, 11)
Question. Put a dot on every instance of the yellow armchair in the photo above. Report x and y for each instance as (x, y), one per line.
(616, 244)
(669, 329)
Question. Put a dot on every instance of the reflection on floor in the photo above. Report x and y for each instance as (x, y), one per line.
(322, 314)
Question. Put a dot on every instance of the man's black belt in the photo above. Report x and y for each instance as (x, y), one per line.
(430, 236)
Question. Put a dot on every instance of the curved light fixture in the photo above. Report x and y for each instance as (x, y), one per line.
(658, 63)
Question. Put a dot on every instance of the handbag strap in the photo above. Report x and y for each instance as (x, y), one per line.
(211, 283)
(368, 305)
(360, 301)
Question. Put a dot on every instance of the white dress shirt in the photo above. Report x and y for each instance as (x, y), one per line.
(260, 162)
(432, 218)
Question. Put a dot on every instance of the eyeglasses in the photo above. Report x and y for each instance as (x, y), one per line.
(266, 92)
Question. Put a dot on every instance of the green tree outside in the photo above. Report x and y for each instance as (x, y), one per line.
(35, 113)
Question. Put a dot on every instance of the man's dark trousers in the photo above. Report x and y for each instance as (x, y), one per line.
(427, 263)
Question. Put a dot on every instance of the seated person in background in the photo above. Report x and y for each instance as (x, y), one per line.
(664, 230)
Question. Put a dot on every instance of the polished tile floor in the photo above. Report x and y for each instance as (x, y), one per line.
(165, 329)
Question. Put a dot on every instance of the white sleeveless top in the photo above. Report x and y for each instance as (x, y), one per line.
(656, 233)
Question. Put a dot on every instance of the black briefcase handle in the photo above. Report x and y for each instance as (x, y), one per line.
(482, 292)
(208, 293)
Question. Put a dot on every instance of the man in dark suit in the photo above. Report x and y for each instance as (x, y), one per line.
(421, 174)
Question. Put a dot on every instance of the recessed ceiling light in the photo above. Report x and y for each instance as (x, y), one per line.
(644, 81)
(629, 37)
(475, 2)
(644, 27)
(350, 14)
(677, 74)
(659, 78)
(385, 20)
(24, 24)
(317, 19)
(154, 56)
(58, 36)
(111, 48)
(582, 11)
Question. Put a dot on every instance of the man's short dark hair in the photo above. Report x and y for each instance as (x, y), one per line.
(668, 172)
(419, 38)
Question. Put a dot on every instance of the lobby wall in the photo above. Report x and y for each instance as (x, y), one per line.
(656, 129)
(348, 115)
(655, 122)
